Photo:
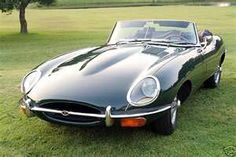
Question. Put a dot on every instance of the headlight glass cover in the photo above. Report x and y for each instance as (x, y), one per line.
(144, 91)
(30, 80)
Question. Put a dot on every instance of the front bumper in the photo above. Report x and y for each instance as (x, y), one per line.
(108, 117)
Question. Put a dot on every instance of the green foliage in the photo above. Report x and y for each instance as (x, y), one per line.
(8, 5)
(206, 121)
(45, 2)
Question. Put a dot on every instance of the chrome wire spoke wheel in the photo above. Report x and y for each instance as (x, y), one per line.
(174, 111)
(217, 75)
(173, 115)
(214, 80)
(166, 124)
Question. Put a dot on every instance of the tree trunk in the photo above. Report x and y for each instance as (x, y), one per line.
(23, 22)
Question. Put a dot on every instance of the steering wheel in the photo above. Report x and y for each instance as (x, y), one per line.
(177, 36)
(174, 34)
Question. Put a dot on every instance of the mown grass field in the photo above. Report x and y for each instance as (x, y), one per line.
(74, 4)
(82, 2)
(206, 122)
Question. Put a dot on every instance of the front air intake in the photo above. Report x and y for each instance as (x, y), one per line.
(66, 107)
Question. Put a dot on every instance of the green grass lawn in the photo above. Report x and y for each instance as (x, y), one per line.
(207, 121)
(97, 3)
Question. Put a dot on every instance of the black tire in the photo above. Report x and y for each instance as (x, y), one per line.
(166, 124)
(214, 80)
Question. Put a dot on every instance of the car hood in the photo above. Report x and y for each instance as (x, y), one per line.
(101, 76)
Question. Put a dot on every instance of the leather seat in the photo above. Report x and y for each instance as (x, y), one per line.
(204, 33)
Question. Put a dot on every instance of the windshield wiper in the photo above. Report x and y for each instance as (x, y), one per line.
(159, 42)
(186, 44)
(171, 43)
(147, 41)
(156, 42)
(131, 41)
(183, 43)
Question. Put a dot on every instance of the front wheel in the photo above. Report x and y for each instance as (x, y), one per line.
(214, 80)
(166, 124)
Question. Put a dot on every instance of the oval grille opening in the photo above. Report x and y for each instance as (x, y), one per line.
(83, 108)
(71, 107)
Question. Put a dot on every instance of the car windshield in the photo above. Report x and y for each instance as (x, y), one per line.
(177, 32)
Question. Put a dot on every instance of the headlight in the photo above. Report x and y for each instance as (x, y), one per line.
(144, 91)
(30, 80)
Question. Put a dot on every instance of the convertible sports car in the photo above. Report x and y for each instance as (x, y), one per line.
(145, 71)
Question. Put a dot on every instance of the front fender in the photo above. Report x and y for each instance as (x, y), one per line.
(172, 75)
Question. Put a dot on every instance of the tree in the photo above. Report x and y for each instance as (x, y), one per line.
(9, 5)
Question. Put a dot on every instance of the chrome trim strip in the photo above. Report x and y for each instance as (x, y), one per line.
(69, 112)
(141, 114)
(108, 115)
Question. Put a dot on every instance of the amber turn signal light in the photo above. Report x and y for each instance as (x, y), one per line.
(23, 109)
(133, 122)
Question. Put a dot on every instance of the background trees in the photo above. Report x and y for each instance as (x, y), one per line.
(9, 5)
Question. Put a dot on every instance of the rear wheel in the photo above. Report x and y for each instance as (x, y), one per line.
(214, 80)
(166, 124)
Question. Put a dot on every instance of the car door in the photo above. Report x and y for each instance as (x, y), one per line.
(211, 56)
(199, 67)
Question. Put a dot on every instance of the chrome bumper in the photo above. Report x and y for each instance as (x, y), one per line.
(108, 116)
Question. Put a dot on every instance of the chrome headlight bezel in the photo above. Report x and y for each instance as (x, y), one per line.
(149, 99)
(36, 74)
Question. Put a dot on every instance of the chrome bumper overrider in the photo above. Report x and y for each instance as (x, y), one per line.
(108, 116)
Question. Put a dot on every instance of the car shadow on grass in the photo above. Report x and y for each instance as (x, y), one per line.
(103, 131)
